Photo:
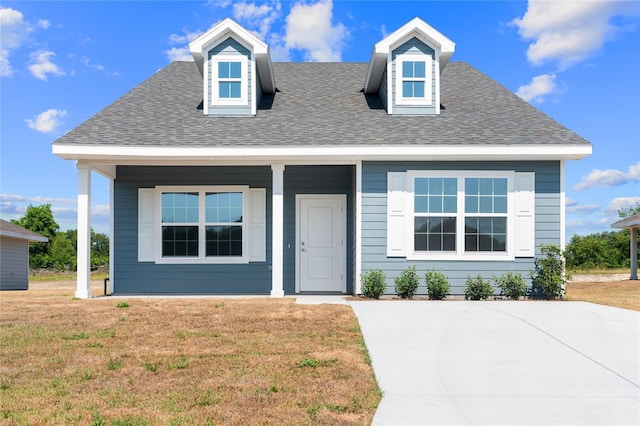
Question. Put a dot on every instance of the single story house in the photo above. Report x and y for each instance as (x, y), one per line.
(632, 223)
(233, 174)
(14, 255)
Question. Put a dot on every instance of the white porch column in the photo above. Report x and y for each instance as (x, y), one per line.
(83, 289)
(634, 254)
(357, 288)
(277, 229)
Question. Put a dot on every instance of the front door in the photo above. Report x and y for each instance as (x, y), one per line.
(321, 255)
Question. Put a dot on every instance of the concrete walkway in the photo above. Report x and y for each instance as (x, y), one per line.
(503, 363)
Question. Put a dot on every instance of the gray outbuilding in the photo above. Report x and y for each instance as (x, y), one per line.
(14, 255)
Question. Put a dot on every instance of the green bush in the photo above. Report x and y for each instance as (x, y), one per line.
(437, 285)
(407, 283)
(477, 289)
(511, 285)
(374, 284)
(549, 278)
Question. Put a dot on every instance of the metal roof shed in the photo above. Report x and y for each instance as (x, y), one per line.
(631, 223)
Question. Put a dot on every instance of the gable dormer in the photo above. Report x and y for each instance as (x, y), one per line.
(405, 67)
(236, 69)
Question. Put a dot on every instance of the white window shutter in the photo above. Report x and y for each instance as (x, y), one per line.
(396, 215)
(525, 199)
(257, 225)
(146, 234)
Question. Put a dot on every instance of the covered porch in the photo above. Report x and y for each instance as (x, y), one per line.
(632, 224)
(293, 187)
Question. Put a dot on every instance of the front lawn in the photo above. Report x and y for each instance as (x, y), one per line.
(180, 361)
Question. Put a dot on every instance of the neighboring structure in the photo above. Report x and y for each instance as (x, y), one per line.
(14, 255)
(239, 175)
(632, 224)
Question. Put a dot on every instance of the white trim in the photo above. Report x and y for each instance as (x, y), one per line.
(389, 85)
(202, 257)
(460, 254)
(83, 278)
(563, 209)
(357, 250)
(215, 80)
(205, 87)
(24, 237)
(277, 231)
(112, 240)
(427, 99)
(206, 155)
(343, 218)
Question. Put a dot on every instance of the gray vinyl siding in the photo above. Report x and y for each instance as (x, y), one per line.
(382, 91)
(233, 48)
(315, 180)
(14, 264)
(131, 276)
(374, 221)
(413, 46)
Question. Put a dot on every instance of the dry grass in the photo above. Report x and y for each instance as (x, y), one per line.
(619, 293)
(173, 361)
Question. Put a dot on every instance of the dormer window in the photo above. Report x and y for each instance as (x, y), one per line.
(236, 69)
(229, 80)
(414, 80)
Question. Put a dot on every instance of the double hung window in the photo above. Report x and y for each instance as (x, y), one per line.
(413, 80)
(205, 224)
(460, 215)
(229, 85)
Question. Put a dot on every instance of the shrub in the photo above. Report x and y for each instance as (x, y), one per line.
(549, 279)
(407, 283)
(511, 285)
(437, 285)
(477, 289)
(374, 284)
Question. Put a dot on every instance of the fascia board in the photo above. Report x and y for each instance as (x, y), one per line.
(167, 155)
(17, 236)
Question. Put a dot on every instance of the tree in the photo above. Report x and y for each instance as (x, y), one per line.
(626, 212)
(63, 253)
(39, 219)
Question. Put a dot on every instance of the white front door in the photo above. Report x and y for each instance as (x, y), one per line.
(321, 252)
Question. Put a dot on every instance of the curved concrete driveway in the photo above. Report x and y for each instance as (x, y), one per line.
(503, 363)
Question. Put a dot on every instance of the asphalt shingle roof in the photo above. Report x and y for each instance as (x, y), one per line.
(319, 104)
(15, 231)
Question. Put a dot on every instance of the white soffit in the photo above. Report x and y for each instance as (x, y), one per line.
(211, 155)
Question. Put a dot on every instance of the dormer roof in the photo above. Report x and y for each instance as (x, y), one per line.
(417, 28)
(229, 28)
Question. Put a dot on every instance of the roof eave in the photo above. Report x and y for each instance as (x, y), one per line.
(210, 155)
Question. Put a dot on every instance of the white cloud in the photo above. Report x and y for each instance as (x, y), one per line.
(41, 65)
(260, 17)
(47, 121)
(181, 52)
(569, 201)
(96, 66)
(609, 177)
(44, 24)
(309, 28)
(540, 86)
(567, 32)
(586, 208)
(622, 203)
(13, 28)
(13, 31)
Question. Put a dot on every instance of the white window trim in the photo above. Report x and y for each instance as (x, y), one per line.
(427, 100)
(460, 254)
(202, 258)
(244, 80)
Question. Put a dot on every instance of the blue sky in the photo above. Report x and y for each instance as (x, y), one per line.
(62, 62)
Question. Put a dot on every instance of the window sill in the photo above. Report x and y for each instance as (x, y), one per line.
(467, 257)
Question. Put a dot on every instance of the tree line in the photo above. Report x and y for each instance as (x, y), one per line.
(604, 250)
(60, 252)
